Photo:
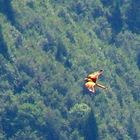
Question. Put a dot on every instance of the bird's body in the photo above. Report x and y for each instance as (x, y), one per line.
(90, 85)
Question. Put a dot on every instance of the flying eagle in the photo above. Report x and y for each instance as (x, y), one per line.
(91, 81)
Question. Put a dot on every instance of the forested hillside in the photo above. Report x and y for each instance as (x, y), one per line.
(47, 48)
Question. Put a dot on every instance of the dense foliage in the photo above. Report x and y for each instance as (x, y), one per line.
(47, 47)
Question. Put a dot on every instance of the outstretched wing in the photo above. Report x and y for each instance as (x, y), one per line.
(101, 86)
(94, 76)
(90, 86)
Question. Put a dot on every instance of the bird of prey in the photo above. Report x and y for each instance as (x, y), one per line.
(91, 81)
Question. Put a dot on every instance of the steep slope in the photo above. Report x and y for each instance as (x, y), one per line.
(46, 50)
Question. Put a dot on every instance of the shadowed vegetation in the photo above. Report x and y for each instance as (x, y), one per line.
(47, 48)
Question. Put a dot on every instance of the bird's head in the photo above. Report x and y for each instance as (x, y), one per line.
(100, 70)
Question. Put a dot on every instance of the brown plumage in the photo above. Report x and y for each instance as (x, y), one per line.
(91, 80)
